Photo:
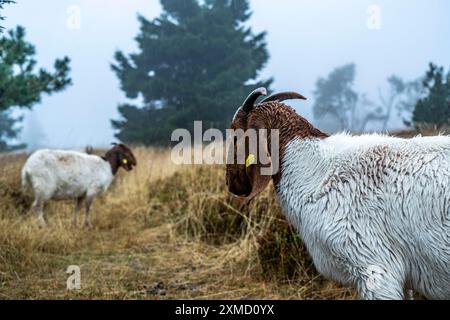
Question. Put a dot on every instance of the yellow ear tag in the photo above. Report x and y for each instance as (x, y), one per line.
(125, 161)
(250, 160)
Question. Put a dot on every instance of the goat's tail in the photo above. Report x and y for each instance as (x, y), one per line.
(27, 184)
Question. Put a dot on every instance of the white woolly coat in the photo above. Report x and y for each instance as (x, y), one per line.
(63, 175)
(373, 211)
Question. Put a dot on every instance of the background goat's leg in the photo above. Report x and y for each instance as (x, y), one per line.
(87, 221)
(39, 208)
(78, 203)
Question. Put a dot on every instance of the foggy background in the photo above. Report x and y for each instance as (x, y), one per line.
(306, 39)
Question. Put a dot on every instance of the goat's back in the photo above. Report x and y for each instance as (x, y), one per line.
(62, 174)
(373, 200)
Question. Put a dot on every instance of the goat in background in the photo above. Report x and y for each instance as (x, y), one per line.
(66, 175)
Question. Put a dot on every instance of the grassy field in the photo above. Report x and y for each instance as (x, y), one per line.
(161, 232)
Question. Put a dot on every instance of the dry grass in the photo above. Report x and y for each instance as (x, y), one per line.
(161, 232)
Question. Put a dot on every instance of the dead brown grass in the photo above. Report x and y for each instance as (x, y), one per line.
(161, 232)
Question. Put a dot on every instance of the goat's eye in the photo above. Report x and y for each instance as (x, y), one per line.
(125, 161)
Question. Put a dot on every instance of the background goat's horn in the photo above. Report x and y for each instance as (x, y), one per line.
(280, 97)
(251, 99)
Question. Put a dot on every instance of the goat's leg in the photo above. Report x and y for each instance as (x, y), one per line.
(87, 220)
(409, 294)
(78, 203)
(379, 284)
(39, 206)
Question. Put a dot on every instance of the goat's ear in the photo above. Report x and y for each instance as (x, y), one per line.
(258, 180)
(259, 166)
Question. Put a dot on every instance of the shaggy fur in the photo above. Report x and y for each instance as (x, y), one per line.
(373, 211)
(67, 175)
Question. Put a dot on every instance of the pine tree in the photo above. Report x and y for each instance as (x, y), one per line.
(195, 62)
(20, 84)
(434, 108)
(9, 131)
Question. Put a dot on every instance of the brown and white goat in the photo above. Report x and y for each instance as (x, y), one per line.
(373, 211)
(66, 175)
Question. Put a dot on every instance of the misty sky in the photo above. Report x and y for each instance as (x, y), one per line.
(306, 39)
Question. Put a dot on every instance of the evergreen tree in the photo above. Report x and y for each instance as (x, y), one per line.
(434, 108)
(9, 131)
(195, 62)
(20, 84)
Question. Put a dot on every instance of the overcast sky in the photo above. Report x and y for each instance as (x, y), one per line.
(306, 39)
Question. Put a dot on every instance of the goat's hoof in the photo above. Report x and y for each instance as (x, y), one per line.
(88, 226)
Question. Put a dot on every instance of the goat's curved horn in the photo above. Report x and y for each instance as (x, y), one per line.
(249, 103)
(280, 97)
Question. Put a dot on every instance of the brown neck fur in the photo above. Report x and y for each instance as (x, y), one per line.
(113, 159)
(275, 115)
